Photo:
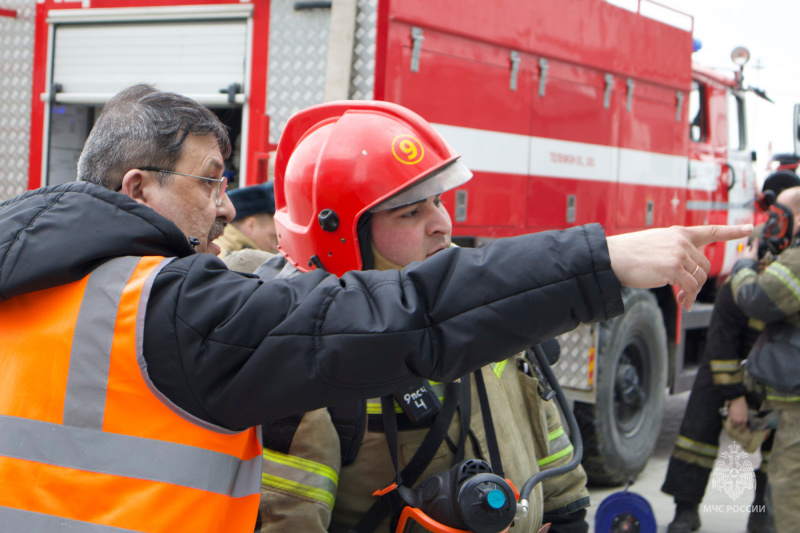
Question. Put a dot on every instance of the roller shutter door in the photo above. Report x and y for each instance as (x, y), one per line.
(199, 57)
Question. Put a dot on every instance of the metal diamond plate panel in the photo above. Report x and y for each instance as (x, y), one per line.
(363, 72)
(16, 79)
(298, 51)
(573, 369)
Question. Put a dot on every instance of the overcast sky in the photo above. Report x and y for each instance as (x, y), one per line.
(770, 29)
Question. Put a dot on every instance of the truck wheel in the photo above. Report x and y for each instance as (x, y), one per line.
(620, 430)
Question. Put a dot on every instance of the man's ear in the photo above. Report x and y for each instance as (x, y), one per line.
(246, 225)
(136, 185)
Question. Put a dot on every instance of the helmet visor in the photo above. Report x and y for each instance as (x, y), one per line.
(442, 180)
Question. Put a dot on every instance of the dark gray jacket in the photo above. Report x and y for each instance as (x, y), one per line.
(236, 351)
(773, 296)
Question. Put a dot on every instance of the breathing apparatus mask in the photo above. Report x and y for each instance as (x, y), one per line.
(779, 227)
(468, 497)
(471, 497)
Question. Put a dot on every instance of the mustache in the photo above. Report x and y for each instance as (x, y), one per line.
(216, 230)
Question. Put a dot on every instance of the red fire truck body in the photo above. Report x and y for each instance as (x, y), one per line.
(568, 112)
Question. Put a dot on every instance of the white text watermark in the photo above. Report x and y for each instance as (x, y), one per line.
(713, 508)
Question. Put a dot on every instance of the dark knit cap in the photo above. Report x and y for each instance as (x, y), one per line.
(253, 200)
(780, 180)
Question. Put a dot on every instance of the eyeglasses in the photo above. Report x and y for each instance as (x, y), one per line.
(222, 182)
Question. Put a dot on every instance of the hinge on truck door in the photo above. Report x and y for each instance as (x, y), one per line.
(515, 59)
(679, 96)
(630, 84)
(607, 95)
(232, 90)
(416, 39)
(55, 88)
(543, 66)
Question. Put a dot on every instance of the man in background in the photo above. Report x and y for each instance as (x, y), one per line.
(254, 225)
(719, 382)
(773, 297)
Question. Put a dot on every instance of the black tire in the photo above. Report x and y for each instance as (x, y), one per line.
(620, 430)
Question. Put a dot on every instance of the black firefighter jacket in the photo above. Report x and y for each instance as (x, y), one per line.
(235, 351)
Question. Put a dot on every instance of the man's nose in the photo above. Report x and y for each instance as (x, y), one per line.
(440, 221)
(225, 211)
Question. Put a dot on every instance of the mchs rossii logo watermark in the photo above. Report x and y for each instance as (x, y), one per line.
(733, 475)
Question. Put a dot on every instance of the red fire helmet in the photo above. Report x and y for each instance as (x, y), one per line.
(338, 160)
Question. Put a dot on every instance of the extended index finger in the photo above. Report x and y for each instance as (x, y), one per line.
(702, 235)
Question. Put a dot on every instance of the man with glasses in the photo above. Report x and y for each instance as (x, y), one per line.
(157, 174)
(135, 370)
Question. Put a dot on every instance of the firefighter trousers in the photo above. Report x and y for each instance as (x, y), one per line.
(785, 471)
(697, 445)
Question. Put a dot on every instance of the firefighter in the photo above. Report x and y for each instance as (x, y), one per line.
(773, 297)
(719, 381)
(393, 231)
(253, 228)
(137, 367)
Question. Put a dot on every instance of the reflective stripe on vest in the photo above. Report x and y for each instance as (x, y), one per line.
(17, 520)
(86, 443)
(300, 476)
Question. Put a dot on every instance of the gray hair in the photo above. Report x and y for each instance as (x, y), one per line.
(144, 127)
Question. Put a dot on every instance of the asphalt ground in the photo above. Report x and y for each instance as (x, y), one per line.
(719, 512)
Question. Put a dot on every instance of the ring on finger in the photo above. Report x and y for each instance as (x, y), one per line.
(696, 269)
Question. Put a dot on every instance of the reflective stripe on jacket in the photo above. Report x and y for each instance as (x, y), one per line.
(299, 476)
(782, 400)
(560, 447)
(301, 473)
(87, 442)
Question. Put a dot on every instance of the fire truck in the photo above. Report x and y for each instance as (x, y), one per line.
(567, 111)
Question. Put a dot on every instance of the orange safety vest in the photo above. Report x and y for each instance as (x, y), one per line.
(87, 443)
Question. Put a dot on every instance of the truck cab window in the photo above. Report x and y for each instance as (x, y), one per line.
(736, 132)
(697, 112)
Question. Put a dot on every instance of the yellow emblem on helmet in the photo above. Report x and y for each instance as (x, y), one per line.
(407, 149)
